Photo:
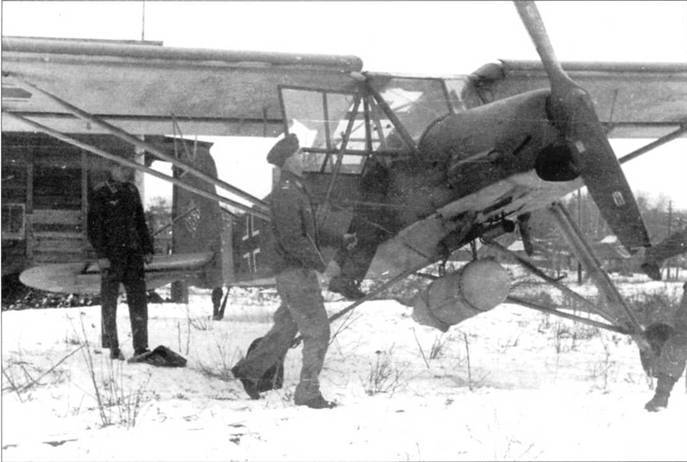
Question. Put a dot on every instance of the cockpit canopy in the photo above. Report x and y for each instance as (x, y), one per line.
(328, 121)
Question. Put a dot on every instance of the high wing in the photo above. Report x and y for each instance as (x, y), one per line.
(633, 100)
(146, 88)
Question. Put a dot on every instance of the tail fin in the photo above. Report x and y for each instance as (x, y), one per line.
(201, 225)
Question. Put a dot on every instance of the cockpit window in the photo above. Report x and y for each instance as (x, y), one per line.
(324, 120)
(416, 102)
(320, 119)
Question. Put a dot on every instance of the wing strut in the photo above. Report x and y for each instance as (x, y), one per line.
(562, 314)
(589, 261)
(654, 144)
(368, 297)
(525, 263)
(99, 152)
(119, 133)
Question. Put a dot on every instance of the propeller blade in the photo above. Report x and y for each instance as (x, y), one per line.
(529, 14)
(572, 112)
(604, 177)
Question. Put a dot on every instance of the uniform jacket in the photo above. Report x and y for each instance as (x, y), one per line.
(293, 226)
(116, 223)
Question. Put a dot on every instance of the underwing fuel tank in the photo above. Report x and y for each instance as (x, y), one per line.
(477, 287)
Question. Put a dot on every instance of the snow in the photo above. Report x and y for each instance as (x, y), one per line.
(537, 388)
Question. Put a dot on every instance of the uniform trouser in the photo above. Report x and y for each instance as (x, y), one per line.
(302, 309)
(128, 270)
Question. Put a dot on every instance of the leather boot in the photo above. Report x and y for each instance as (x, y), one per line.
(317, 403)
(345, 287)
(663, 388)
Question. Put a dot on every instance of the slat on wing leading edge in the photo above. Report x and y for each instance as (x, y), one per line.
(640, 100)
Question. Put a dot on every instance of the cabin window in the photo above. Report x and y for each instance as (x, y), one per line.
(251, 228)
(246, 230)
(57, 180)
(247, 258)
(251, 259)
(13, 221)
(416, 102)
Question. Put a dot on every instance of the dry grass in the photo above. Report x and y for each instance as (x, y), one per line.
(221, 367)
(384, 375)
(118, 398)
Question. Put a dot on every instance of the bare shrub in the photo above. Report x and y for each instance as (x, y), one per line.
(567, 335)
(467, 358)
(72, 339)
(436, 351)
(544, 323)
(472, 380)
(384, 376)
(121, 397)
(260, 316)
(542, 298)
(203, 323)
(117, 401)
(653, 306)
(603, 369)
(221, 368)
(22, 376)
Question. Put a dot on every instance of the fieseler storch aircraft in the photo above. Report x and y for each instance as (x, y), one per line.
(416, 167)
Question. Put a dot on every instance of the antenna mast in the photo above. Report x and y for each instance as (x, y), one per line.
(143, 20)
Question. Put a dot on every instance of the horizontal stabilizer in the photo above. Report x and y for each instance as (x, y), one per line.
(84, 277)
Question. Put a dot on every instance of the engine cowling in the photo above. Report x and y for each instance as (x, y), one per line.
(477, 287)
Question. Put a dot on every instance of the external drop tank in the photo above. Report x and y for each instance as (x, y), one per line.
(477, 287)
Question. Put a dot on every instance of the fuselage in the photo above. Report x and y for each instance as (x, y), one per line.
(498, 160)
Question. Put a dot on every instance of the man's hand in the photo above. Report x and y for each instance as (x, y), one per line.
(103, 263)
(148, 258)
(350, 240)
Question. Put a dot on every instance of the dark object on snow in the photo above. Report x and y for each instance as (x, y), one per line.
(161, 356)
(273, 378)
(154, 297)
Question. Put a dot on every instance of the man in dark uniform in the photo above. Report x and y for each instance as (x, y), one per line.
(302, 308)
(118, 232)
(371, 225)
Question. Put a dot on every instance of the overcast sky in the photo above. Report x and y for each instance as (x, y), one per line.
(425, 38)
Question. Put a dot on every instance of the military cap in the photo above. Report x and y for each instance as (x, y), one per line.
(282, 150)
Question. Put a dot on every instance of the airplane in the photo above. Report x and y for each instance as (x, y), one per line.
(416, 167)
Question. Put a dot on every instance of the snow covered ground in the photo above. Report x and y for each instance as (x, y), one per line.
(509, 384)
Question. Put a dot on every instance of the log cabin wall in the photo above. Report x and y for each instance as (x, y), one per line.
(45, 189)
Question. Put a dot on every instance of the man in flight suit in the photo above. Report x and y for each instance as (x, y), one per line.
(117, 231)
(302, 306)
(666, 359)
